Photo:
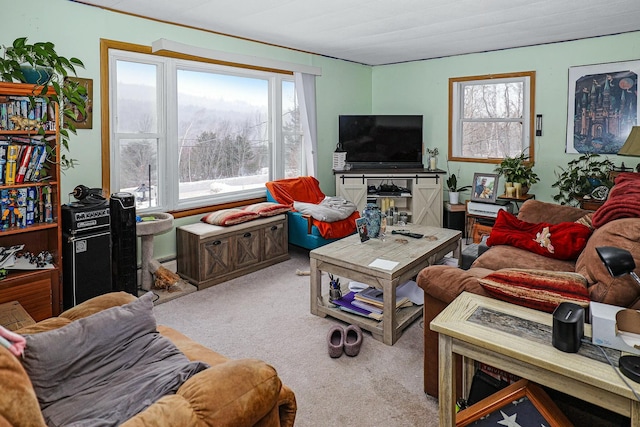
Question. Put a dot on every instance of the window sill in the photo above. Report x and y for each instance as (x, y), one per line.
(211, 208)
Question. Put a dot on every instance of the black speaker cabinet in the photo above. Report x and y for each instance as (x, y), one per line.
(86, 265)
(123, 241)
(86, 252)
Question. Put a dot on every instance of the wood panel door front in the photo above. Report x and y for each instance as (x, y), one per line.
(248, 248)
(275, 240)
(217, 260)
(427, 202)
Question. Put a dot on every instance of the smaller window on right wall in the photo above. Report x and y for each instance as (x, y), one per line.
(491, 117)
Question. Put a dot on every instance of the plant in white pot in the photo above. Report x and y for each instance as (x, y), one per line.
(39, 64)
(454, 190)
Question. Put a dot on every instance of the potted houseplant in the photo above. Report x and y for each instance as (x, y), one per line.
(39, 64)
(454, 190)
(518, 170)
(581, 177)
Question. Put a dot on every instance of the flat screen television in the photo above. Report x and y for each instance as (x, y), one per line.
(381, 141)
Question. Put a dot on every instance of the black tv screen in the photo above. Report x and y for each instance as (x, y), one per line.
(382, 141)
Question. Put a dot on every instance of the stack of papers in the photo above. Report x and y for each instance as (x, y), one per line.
(373, 296)
(345, 303)
(367, 301)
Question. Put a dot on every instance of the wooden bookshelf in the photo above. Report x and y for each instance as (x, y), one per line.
(38, 290)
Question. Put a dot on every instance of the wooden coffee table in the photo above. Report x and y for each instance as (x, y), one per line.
(518, 340)
(350, 258)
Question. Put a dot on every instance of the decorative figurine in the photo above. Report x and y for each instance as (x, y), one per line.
(10, 209)
(25, 123)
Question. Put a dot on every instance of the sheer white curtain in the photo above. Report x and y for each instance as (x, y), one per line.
(306, 91)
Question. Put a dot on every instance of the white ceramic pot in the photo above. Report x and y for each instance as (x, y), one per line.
(454, 197)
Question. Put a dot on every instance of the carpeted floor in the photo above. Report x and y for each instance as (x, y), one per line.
(266, 315)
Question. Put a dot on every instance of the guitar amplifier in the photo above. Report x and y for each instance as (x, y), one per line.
(86, 252)
(79, 217)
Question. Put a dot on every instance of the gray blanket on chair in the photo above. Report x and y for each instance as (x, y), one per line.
(331, 209)
(104, 369)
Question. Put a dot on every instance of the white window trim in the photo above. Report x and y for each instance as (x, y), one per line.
(114, 137)
(456, 101)
(169, 200)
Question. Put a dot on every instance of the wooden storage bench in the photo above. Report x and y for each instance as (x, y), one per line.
(211, 254)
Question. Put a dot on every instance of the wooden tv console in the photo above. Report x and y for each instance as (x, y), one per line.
(422, 201)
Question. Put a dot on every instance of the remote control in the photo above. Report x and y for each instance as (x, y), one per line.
(407, 233)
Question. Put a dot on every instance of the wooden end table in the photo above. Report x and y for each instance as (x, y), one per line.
(518, 340)
(350, 258)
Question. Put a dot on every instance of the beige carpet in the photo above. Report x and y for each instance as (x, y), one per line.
(266, 315)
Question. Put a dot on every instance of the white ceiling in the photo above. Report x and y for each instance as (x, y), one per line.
(376, 32)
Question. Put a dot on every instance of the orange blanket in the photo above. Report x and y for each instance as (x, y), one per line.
(302, 189)
(307, 189)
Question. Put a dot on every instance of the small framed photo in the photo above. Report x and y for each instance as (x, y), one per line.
(484, 188)
(361, 225)
(522, 401)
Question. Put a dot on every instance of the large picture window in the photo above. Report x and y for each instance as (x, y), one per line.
(490, 117)
(186, 134)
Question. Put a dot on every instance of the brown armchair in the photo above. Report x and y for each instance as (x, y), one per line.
(246, 392)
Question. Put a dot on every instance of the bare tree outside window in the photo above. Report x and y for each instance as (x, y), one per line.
(490, 117)
(136, 155)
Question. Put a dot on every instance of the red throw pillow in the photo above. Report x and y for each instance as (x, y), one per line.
(267, 208)
(227, 217)
(538, 289)
(565, 240)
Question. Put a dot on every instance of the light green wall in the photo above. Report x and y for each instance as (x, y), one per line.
(422, 88)
(344, 88)
(76, 30)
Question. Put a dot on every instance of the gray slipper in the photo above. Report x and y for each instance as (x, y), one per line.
(335, 340)
(352, 340)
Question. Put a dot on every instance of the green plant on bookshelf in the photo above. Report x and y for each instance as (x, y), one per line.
(39, 64)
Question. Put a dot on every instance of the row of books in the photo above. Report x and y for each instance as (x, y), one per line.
(25, 206)
(21, 159)
(21, 106)
(368, 302)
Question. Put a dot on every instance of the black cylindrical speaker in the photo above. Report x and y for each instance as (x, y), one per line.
(568, 327)
(123, 242)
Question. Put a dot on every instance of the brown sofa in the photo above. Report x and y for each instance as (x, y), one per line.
(244, 392)
(442, 284)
